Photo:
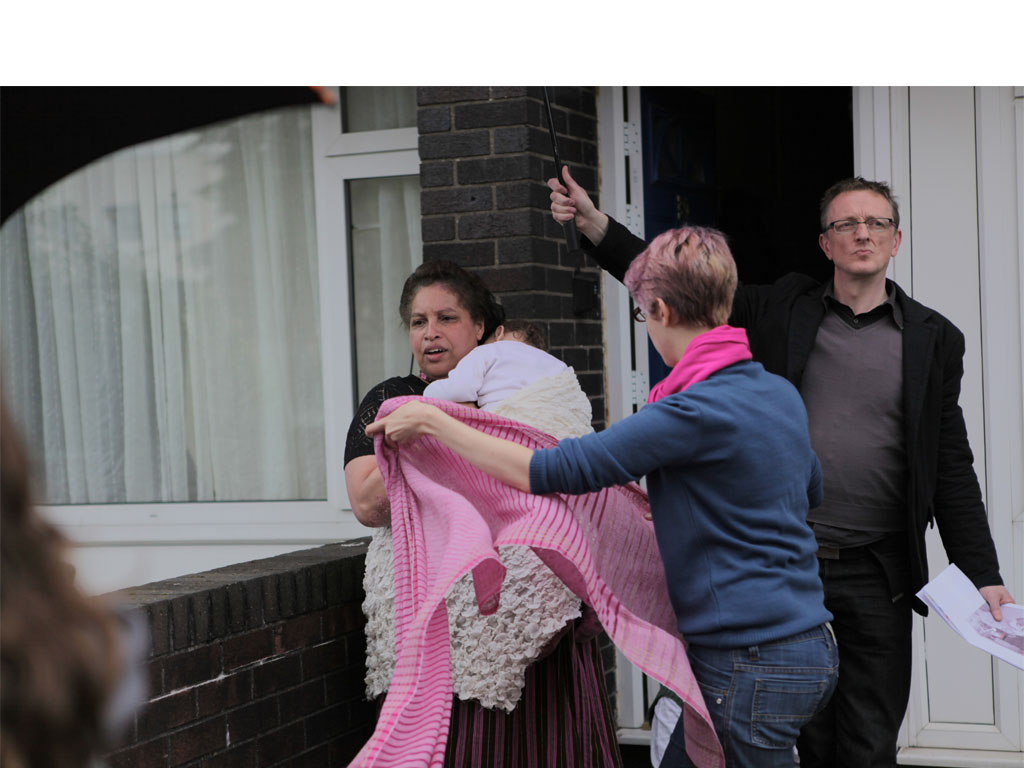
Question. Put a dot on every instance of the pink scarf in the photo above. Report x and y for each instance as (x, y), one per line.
(449, 518)
(710, 352)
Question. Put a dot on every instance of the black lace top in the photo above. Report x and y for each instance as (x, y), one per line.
(358, 444)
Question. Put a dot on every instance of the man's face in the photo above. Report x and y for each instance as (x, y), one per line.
(861, 253)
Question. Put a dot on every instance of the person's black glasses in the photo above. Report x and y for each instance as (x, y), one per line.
(638, 315)
(846, 226)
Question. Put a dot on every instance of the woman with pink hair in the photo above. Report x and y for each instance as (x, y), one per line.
(731, 475)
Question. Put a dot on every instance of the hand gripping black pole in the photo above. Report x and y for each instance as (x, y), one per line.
(572, 238)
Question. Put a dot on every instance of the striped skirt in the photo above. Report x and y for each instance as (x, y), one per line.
(563, 720)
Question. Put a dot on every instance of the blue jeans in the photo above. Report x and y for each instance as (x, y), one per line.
(759, 697)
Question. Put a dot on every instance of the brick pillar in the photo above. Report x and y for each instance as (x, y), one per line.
(485, 154)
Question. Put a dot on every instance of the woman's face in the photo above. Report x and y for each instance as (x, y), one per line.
(441, 332)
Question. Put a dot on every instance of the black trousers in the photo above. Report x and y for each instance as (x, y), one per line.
(866, 591)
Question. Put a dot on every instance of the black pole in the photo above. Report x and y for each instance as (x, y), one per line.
(572, 238)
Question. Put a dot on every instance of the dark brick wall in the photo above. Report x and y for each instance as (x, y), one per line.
(485, 154)
(256, 664)
(259, 664)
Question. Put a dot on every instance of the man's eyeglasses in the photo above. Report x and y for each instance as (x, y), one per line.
(638, 315)
(846, 226)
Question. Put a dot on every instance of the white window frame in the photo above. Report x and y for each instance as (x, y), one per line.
(340, 158)
(120, 545)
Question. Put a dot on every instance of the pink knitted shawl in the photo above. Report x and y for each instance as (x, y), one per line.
(448, 518)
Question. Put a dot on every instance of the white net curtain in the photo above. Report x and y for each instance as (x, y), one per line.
(387, 246)
(161, 333)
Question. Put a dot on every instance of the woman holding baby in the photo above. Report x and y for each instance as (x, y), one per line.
(545, 702)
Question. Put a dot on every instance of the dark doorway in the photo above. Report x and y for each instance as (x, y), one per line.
(752, 162)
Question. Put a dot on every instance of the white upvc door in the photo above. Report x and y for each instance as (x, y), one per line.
(953, 156)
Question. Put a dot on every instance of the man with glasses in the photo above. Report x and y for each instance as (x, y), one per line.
(880, 376)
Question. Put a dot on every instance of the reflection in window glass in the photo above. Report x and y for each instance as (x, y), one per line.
(160, 314)
(386, 246)
(376, 108)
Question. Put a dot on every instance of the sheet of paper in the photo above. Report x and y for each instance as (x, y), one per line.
(952, 595)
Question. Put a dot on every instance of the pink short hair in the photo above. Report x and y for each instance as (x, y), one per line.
(692, 270)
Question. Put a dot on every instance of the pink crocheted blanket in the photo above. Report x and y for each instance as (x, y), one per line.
(448, 518)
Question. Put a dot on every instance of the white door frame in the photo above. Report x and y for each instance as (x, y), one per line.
(626, 365)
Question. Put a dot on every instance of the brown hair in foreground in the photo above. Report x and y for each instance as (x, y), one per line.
(59, 660)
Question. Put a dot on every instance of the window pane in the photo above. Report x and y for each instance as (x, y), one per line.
(387, 245)
(161, 324)
(375, 108)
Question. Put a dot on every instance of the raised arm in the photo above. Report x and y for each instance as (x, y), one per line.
(612, 245)
(502, 459)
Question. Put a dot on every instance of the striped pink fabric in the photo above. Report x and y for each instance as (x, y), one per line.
(448, 518)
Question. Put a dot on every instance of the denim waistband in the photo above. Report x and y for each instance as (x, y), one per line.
(822, 630)
(809, 634)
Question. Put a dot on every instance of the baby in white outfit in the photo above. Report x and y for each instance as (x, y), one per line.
(509, 360)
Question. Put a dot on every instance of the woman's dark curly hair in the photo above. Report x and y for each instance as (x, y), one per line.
(474, 296)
